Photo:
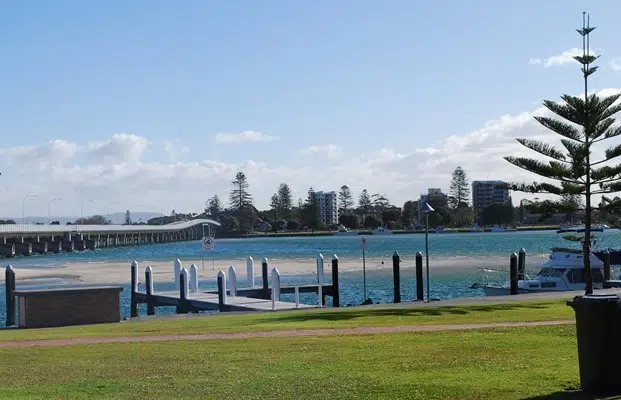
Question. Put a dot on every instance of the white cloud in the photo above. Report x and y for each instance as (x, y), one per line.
(565, 57)
(331, 150)
(615, 64)
(246, 136)
(120, 149)
(175, 149)
(116, 170)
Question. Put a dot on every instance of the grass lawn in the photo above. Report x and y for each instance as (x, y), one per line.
(502, 363)
(314, 319)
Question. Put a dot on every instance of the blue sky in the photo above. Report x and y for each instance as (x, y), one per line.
(356, 75)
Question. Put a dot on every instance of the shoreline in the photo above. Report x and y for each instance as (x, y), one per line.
(370, 233)
(118, 272)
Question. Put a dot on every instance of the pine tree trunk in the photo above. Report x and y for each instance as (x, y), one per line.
(586, 253)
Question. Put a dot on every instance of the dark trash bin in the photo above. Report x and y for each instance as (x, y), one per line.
(598, 330)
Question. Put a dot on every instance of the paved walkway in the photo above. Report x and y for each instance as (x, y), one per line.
(297, 333)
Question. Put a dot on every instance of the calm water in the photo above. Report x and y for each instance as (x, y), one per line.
(444, 285)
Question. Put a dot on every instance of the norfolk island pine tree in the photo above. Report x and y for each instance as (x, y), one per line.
(586, 121)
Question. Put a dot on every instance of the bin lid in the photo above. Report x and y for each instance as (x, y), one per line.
(597, 298)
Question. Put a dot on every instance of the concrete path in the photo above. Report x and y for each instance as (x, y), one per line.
(296, 333)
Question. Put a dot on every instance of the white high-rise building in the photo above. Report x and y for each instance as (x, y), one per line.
(327, 207)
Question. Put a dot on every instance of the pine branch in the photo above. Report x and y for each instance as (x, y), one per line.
(606, 174)
(601, 128)
(611, 187)
(554, 171)
(605, 106)
(586, 59)
(572, 189)
(602, 182)
(557, 126)
(611, 133)
(543, 149)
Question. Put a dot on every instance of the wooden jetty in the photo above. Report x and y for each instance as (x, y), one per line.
(187, 297)
(26, 239)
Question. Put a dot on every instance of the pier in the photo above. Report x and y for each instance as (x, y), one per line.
(26, 239)
(228, 297)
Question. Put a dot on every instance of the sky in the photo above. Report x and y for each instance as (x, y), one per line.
(156, 105)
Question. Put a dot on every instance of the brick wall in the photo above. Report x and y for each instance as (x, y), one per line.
(47, 308)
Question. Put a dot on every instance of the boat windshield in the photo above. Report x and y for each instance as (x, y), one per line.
(553, 272)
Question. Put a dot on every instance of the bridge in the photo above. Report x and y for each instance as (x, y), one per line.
(26, 239)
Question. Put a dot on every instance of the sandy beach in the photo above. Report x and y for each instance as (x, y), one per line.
(118, 272)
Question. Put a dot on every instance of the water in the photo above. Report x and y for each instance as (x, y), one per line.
(473, 247)
(300, 248)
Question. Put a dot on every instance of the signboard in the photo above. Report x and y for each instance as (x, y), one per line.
(208, 244)
(363, 243)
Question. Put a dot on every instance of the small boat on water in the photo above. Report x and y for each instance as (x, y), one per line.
(568, 256)
(440, 229)
(563, 270)
(476, 228)
(344, 231)
(382, 231)
(548, 279)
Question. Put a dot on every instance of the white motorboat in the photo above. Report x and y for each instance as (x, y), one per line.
(563, 271)
(476, 228)
(440, 229)
(344, 231)
(567, 256)
(549, 279)
(382, 231)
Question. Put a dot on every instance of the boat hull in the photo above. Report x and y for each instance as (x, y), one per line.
(501, 291)
(346, 234)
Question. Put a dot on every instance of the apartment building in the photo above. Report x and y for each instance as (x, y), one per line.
(327, 207)
(485, 193)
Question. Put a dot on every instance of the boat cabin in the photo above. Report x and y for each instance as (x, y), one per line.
(555, 278)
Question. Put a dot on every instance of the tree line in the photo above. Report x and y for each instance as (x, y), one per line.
(366, 210)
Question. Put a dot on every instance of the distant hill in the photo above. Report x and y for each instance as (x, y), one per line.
(116, 218)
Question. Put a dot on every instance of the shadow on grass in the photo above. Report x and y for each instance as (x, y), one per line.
(342, 314)
(574, 395)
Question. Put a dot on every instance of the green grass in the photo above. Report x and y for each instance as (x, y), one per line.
(507, 363)
(296, 320)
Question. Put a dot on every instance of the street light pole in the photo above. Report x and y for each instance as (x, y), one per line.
(427, 209)
(427, 251)
(49, 209)
(30, 196)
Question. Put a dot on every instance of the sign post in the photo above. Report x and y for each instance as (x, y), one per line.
(363, 245)
(209, 245)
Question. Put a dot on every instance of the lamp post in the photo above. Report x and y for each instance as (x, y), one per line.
(108, 209)
(82, 210)
(49, 209)
(28, 197)
(427, 209)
